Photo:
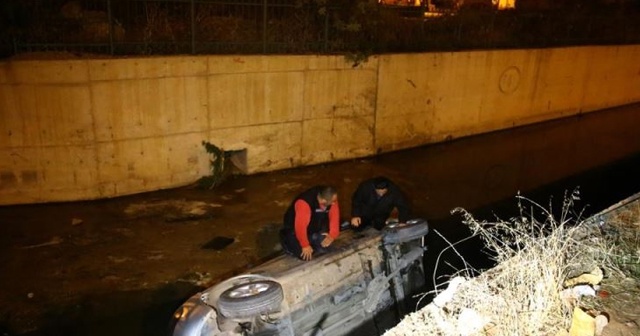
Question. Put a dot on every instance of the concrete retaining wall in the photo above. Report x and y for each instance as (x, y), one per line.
(86, 129)
(426, 98)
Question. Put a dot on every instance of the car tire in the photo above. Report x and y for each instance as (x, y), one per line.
(250, 298)
(404, 232)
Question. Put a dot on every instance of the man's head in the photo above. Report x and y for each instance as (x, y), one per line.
(327, 196)
(381, 185)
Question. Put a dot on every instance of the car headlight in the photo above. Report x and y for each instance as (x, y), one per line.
(190, 318)
(181, 313)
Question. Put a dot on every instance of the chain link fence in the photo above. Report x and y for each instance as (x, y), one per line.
(165, 27)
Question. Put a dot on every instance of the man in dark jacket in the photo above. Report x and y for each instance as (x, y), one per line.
(311, 223)
(373, 202)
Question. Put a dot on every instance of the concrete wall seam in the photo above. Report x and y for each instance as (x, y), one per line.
(86, 129)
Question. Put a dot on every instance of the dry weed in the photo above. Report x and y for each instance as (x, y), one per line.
(617, 249)
(535, 253)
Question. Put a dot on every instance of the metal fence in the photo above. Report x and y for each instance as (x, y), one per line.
(145, 27)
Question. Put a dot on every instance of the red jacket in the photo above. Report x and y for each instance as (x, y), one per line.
(303, 218)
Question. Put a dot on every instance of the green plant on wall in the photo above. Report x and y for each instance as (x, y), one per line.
(357, 58)
(217, 158)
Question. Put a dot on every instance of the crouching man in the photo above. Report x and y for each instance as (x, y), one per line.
(311, 222)
(374, 201)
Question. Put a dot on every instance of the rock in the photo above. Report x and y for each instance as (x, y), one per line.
(281, 203)
(118, 260)
(55, 240)
(155, 257)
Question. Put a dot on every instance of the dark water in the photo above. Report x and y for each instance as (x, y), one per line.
(594, 151)
(599, 153)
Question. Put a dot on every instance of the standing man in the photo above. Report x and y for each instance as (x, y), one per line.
(311, 223)
(373, 202)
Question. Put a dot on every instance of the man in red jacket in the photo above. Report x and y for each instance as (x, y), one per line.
(311, 223)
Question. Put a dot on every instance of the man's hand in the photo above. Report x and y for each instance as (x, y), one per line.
(306, 254)
(355, 221)
(327, 240)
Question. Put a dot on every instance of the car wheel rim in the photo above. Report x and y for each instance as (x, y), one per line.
(396, 225)
(249, 290)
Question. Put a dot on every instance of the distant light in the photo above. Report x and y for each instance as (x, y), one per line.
(433, 14)
(506, 4)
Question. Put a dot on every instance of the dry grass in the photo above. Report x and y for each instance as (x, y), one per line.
(618, 250)
(535, 253)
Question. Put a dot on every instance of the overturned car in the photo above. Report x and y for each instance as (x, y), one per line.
(361, 287)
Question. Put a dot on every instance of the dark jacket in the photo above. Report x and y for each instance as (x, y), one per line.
(375, 210)
(320, 221)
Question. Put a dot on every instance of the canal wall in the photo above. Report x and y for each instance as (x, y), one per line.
(96, 128)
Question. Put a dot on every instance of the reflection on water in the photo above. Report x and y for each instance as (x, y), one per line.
(479, 171)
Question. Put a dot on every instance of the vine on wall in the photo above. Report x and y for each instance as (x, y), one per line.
(217, 159)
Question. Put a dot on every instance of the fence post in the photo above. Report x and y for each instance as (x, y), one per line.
(589, 24)
(264, 27)
(491, 37)
(193, 27)
(111, 23)
(625, 33)
(326, 29)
